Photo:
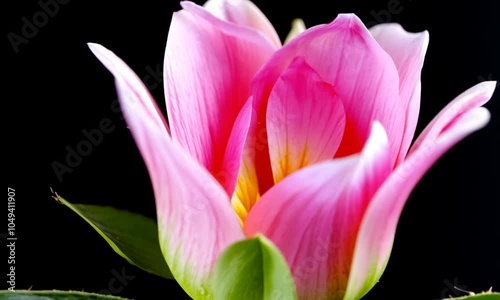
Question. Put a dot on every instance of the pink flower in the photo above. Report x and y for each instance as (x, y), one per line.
(308, 144)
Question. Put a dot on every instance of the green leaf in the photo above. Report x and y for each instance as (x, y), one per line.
(53, 295)
(481, 296)
(253, 269)
(132, 236)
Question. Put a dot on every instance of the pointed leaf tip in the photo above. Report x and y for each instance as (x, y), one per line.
(133, 236)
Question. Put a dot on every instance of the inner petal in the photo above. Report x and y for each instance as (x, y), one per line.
(305, 120)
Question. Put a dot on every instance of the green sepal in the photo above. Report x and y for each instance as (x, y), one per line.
(253, 269)
(53, 295)
(133, 236)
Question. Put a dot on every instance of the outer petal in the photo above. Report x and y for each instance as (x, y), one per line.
(378, 228)
(305, 120)
(245, 13)
(408, 52)
(473, 97)
(128, 77)
(209, 64)
(313, 216)
(364, 76)
(195, 220)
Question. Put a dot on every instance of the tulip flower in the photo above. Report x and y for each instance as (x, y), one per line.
(307, 144)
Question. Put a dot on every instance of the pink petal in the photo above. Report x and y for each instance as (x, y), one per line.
(305, 120)
(364, 76)
(195, 220)
(209, 65)
(231, 162)
(408, 52)
(412, 110)
(121, 70)
(244, 13)
(313, 216)
(473, 97)
(373, 247)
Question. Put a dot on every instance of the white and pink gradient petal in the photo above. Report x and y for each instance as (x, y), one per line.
(121, 70)
(408, 52)
(456, 121)
(474, 97)
(245, 13)
(209, 65)
(195, 219)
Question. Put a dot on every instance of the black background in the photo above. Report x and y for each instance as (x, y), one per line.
(54, 88)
